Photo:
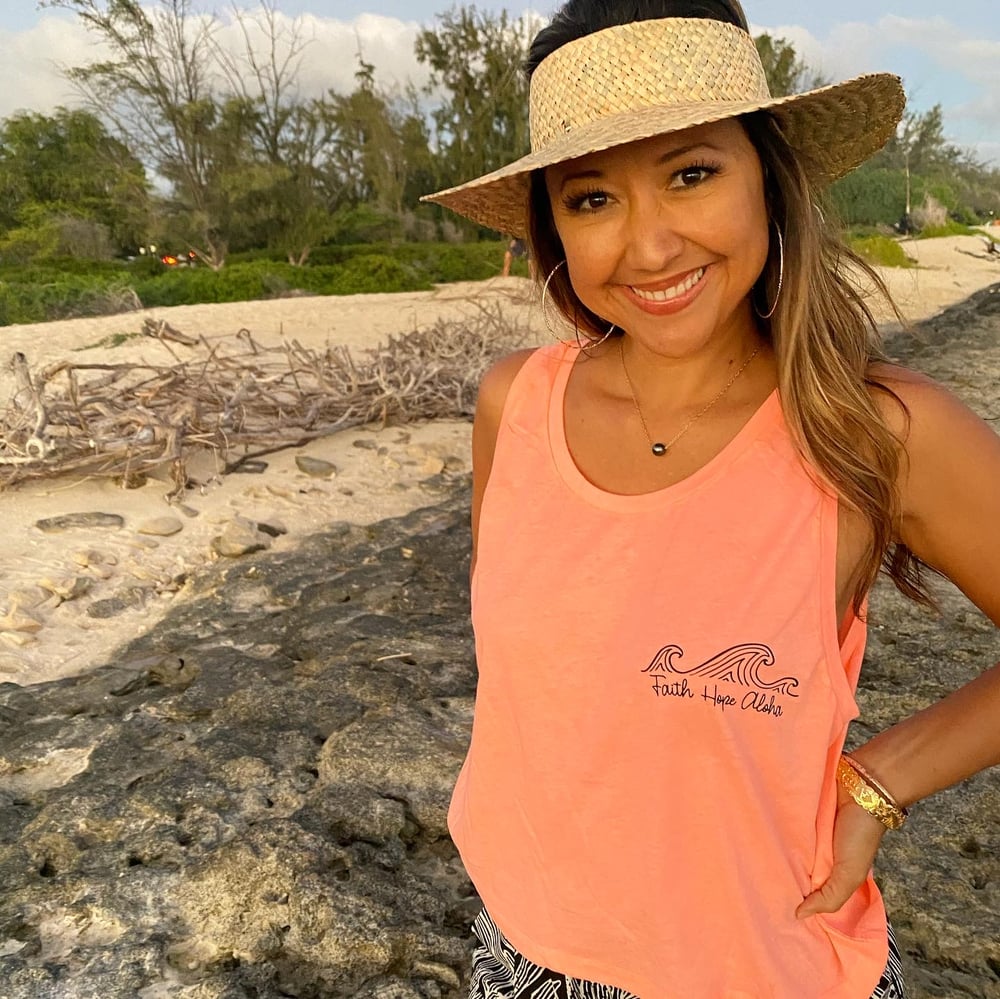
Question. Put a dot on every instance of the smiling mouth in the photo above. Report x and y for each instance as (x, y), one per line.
(667, 294)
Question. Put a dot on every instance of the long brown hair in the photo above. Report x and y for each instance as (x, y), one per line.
(824, 338)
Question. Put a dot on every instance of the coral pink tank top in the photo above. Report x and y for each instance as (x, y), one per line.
(649, 791)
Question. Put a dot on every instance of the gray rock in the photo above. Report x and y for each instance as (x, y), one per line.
(247, 466)
(161, 527)
(229, 833)
(69, 587)
(123, 600)
(315, 467)
(20, 621)
(240, 537)
(272, 527)
(70, 521)
(90, 557)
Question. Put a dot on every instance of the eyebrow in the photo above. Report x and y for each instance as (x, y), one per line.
(670, 154)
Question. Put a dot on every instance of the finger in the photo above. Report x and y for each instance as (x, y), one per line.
(829, 897)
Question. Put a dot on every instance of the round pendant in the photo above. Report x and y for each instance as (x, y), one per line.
(659, 450)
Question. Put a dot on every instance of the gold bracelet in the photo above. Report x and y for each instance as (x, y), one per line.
(873, 782)
(872, 800)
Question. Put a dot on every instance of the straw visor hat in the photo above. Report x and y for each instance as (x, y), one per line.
(647, 78)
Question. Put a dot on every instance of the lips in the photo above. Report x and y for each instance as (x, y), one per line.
(674, 291)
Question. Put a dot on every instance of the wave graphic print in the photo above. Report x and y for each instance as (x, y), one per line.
(739, 664)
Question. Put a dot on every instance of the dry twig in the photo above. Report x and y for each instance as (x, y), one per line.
(238, 398)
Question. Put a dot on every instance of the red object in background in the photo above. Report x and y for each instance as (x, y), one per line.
(169, 260)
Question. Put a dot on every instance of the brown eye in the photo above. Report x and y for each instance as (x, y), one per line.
(692, 176)
(587, 201)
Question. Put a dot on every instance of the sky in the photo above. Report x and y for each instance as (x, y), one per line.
(945, 53)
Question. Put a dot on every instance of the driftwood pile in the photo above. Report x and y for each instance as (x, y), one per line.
(235, 397)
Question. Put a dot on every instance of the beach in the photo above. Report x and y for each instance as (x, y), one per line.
(71, 594)
(238, 782)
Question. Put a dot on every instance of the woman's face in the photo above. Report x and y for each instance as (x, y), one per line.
(665, 237)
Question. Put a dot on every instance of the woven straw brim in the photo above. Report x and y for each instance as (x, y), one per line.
(833, 129)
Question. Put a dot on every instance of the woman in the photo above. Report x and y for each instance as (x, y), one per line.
(677, 519)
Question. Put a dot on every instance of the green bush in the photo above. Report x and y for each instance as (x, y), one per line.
(882, 251)
(56, 290)
(241, 282)
(195, 285)
(147, 266)
(59, 269)
(365, 224)
(465, 262)
(968, 216)
(375, 272)
(950, 228)
(870, 197)
(60, 296)
(436, 263)
(320, 256)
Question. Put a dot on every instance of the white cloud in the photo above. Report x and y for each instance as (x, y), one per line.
(989, 152)
(33, 58)
(32, 61)
(939, 63)
(829, 56)
(330, 60)
(965, 77)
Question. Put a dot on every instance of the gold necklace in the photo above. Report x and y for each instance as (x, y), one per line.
(658, 448)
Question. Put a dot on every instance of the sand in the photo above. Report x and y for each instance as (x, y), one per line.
(380, 472)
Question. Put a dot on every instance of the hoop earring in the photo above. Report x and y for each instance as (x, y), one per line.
(781, 276)
(582, 342)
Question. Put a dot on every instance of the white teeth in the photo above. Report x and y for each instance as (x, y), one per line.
(668, 293)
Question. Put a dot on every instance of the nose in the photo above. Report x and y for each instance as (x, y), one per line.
(652, 238)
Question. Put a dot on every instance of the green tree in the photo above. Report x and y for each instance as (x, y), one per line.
(919, 148)
(870, 197)
(917, 162)
(786, 73)
(379, 143)
(475, 58)
(201, 118)
(295, 212)
(279, 196)
(58, 168)
(155, 90)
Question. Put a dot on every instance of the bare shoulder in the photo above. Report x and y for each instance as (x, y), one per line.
(949, 486)
(923, 412)
(904, 396)
(499, 377)
(493, 389)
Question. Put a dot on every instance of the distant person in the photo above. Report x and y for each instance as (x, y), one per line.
(515, 248)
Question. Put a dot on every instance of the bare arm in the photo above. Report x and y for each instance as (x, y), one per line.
(950, 506)
(950, 495)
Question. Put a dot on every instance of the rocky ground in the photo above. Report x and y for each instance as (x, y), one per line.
(249, 801)
(89, 565)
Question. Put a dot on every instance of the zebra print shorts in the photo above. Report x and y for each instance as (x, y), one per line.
(500, 972)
